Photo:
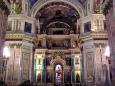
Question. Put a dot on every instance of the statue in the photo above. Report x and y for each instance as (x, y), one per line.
(66, 43)
(97, 6)
(15, 7)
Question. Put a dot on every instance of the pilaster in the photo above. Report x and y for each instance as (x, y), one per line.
(94, 46)
(13, 71)
(22, 50)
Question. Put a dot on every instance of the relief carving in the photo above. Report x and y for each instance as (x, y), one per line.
(25, 66)
(90, 65)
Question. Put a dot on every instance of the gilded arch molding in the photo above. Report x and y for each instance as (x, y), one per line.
(41, 3)
(58, 60)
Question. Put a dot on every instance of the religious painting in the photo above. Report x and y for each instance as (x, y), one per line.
(48, 76)
(38, 76)
(28, 27)
(67, 76)
(77, 78)
(77, 61)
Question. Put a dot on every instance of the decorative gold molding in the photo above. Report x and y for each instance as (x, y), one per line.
(94, 35)
(41, 50)
(19, 37)
(17, 45)
(58, 60)
(97, 45)
(14, 36)
(21, 17)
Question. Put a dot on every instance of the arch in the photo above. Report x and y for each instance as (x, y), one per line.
(59, 22)
(58, 74)
(74, 3)
(7, 4)
(58, 61)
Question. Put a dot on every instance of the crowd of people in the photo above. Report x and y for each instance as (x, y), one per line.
(25, 83)
(2, 83)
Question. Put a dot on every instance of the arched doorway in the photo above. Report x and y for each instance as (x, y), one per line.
(59, 66)
(58, 75)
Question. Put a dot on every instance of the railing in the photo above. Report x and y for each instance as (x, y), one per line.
(66, 84)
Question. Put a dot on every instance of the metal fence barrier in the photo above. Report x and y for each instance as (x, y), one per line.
(65, 84)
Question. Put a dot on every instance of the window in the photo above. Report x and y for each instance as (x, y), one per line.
(87, 27)
(28, 27)
(9, 26)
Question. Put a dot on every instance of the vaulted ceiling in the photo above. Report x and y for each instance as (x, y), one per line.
(57, 12)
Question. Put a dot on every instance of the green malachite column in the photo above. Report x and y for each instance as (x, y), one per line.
(43, 70)
(82, 69)
(52, 76)
(35, 69)
(72, 70)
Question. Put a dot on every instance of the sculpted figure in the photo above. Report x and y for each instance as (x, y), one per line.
(97, 6)
(15, 7)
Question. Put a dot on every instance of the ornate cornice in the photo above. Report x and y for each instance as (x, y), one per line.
(15, 45)
(94, 36)
(19, 36)
(75, 50)
(41, 51)
(20, 16)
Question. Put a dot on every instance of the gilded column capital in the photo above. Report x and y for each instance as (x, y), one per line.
(97, 45)
(15, 45)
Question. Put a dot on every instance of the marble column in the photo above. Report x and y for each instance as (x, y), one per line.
(38, 26)
(100, 71)
(110, 19)
(94, 59)
(3, 28)
(44, 42)
(13, 65)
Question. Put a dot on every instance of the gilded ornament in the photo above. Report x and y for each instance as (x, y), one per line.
(15, 8)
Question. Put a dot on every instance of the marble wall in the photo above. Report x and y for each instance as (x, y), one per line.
(110, 25)
(3, 27)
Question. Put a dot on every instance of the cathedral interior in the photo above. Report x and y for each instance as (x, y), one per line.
(57, 42)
